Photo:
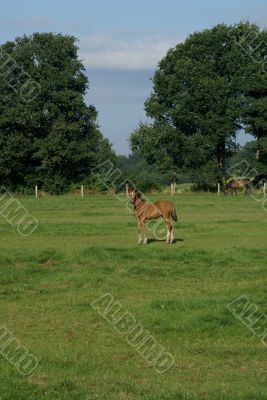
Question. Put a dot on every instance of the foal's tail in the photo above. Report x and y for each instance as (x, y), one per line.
(173, 213)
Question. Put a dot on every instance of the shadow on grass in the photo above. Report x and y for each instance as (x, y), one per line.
(164, 240)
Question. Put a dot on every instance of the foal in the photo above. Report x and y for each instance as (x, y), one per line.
(144, 211)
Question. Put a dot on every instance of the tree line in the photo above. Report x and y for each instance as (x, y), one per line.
(205, 90)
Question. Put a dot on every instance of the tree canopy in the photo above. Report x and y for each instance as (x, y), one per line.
(201, 98)
(48, 135)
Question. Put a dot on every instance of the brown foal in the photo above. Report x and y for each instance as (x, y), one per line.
(143, 211)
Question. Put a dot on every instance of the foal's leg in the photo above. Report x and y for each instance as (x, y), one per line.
(171, 235)
(139, 229)
(168, 235)
(144, 232)
(169, 238)
(168, 232)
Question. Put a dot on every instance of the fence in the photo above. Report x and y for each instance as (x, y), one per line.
(173, 190)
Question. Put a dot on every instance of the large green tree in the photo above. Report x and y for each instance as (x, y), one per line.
(255, 92)
(48, 135)
(196, 103)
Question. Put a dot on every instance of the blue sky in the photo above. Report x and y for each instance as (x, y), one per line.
(121, 43)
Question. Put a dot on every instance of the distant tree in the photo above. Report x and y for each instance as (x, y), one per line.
(47, 132)
(196, 104)
(144, 176)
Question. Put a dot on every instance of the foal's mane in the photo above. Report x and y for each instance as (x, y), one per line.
(139, 195)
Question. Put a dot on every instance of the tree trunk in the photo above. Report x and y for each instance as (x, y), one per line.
(221, 159)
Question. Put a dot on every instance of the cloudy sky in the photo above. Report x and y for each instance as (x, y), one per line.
(121, 42)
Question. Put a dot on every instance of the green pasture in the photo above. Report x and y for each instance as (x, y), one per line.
(86, 247)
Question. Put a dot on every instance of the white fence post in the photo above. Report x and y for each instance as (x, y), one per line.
(82, 190)
(126, 189)
(264, 188)
(36, 191)
(171, 189)
(219, 189)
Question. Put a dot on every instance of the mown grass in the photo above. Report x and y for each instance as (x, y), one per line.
(86, 247)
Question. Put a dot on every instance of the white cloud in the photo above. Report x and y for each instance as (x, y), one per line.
(109, 52)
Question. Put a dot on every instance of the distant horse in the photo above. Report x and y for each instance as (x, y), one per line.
(145, 210)
(234, 184)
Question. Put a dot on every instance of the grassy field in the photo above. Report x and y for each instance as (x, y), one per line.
(85, 248)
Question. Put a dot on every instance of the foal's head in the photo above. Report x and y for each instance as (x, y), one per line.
(134, 195)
